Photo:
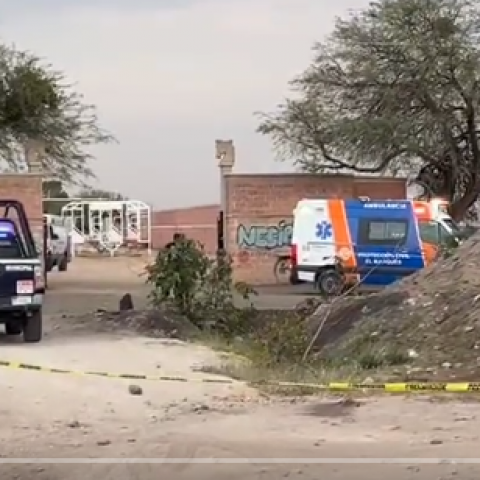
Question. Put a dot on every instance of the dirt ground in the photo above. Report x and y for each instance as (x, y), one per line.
(59, 417)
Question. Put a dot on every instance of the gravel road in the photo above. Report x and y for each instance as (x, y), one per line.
(59, 417)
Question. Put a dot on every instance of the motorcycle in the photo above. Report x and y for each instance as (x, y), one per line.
(283, 271)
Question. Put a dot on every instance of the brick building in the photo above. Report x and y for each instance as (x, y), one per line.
(258, 212)
(257, 209)
(198, 222)
(26, 188)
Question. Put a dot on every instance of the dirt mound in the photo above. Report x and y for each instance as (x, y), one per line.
(429, 320)
(162, 322)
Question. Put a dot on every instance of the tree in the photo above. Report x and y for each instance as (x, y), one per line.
(37, 104)
(395, 89)
(99, 194)
(54, 189)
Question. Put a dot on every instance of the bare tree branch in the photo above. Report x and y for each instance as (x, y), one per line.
(394, 88)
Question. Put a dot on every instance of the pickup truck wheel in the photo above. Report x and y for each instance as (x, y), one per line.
(63, 265)
(49, 263)
(13, 328)
(32, 331)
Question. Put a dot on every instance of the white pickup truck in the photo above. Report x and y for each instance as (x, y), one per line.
(58, 247)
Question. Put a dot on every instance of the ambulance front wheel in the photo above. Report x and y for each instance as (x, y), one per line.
(330, 282)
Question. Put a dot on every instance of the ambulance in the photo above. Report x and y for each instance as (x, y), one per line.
(337, 243)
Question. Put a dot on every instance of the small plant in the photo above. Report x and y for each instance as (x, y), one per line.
(200, 287)
(282, 341)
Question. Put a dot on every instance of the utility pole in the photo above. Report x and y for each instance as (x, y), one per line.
(225, 155)
(34, 155)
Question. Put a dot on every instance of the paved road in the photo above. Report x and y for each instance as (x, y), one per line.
(86, 279)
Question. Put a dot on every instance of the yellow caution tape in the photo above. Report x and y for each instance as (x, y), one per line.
(126, 376)
(401, 387)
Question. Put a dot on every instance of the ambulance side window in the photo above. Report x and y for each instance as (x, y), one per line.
(383, 232)
(447, 239)
(429, 232)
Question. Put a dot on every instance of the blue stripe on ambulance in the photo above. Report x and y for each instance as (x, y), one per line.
(383, 264)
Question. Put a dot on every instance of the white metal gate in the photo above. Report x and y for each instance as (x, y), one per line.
(108, 225)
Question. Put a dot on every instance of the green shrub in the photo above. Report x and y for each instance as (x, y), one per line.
(199, 286)
(202, 289)
(175, 275)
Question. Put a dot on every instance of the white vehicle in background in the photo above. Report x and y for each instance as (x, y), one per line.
(58, 244)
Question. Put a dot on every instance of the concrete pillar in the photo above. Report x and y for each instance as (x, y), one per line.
(225, 155)
(34, 153)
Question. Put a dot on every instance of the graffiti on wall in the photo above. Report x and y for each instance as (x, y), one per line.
(265, 237)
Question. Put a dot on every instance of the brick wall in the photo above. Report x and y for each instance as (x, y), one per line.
(199, 223)
(26, 188)
(259, 213)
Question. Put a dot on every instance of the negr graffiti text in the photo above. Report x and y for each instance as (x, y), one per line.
(266, 237)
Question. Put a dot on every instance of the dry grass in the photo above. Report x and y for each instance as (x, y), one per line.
(240, 360)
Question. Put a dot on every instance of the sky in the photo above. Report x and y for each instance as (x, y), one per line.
(170, 77)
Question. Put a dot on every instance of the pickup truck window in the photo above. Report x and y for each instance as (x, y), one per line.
(10, 242)
(10, 247)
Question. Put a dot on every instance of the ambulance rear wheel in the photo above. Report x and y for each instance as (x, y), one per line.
(330, 282)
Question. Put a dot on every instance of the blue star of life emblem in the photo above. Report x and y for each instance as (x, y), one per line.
(324, 230)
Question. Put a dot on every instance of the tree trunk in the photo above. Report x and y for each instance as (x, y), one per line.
(459, 208)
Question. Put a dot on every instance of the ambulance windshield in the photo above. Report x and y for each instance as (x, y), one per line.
(456, 232)
(452, 226)
(448, 221)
